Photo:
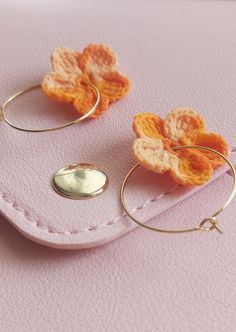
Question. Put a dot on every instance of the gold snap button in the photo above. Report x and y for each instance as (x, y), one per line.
(79, 181)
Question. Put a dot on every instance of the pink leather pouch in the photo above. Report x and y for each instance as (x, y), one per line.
(29, 160)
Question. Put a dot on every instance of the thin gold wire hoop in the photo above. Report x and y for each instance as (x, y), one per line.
(80, 119)
(201, 227)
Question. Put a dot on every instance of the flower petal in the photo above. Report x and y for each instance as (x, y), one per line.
(148, 125)
(59, 88)
(96, 60)
(114, 85)
(150, 153)
(65, 61)
(211, 140)
(85, 100)
(193, 168)
(181, 121)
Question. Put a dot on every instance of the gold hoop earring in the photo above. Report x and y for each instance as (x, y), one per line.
(3, 114)
(202, 226)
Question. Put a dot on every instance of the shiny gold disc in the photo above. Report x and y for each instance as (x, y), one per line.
(79, 181)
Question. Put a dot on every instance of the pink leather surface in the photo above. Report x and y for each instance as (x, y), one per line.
(187, 60)
(176, 54)
(141, 282)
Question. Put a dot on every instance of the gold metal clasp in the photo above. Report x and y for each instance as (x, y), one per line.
(80, 181)
(213, 225)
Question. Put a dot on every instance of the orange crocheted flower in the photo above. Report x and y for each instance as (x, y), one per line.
(97, 64)
(157, 137)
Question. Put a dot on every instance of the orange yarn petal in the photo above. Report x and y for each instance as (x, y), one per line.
(150, 154)
(114, 85)
(65, 61)
(96, 65)
(59, 88)
(86, 99)
(211, 140)
(181, 121)
(96, 60)
(148, 125)
(156, 138)
(193, 169)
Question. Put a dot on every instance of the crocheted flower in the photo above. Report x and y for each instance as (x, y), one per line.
(156, 138)
(97, 64)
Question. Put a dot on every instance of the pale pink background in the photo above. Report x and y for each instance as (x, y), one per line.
(176, 54)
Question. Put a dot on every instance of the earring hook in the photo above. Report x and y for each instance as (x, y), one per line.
(200, 227)
(78, 120)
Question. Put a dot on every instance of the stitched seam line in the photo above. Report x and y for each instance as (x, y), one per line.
(38, 224)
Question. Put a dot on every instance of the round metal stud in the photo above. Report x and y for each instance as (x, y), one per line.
(79, 181)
